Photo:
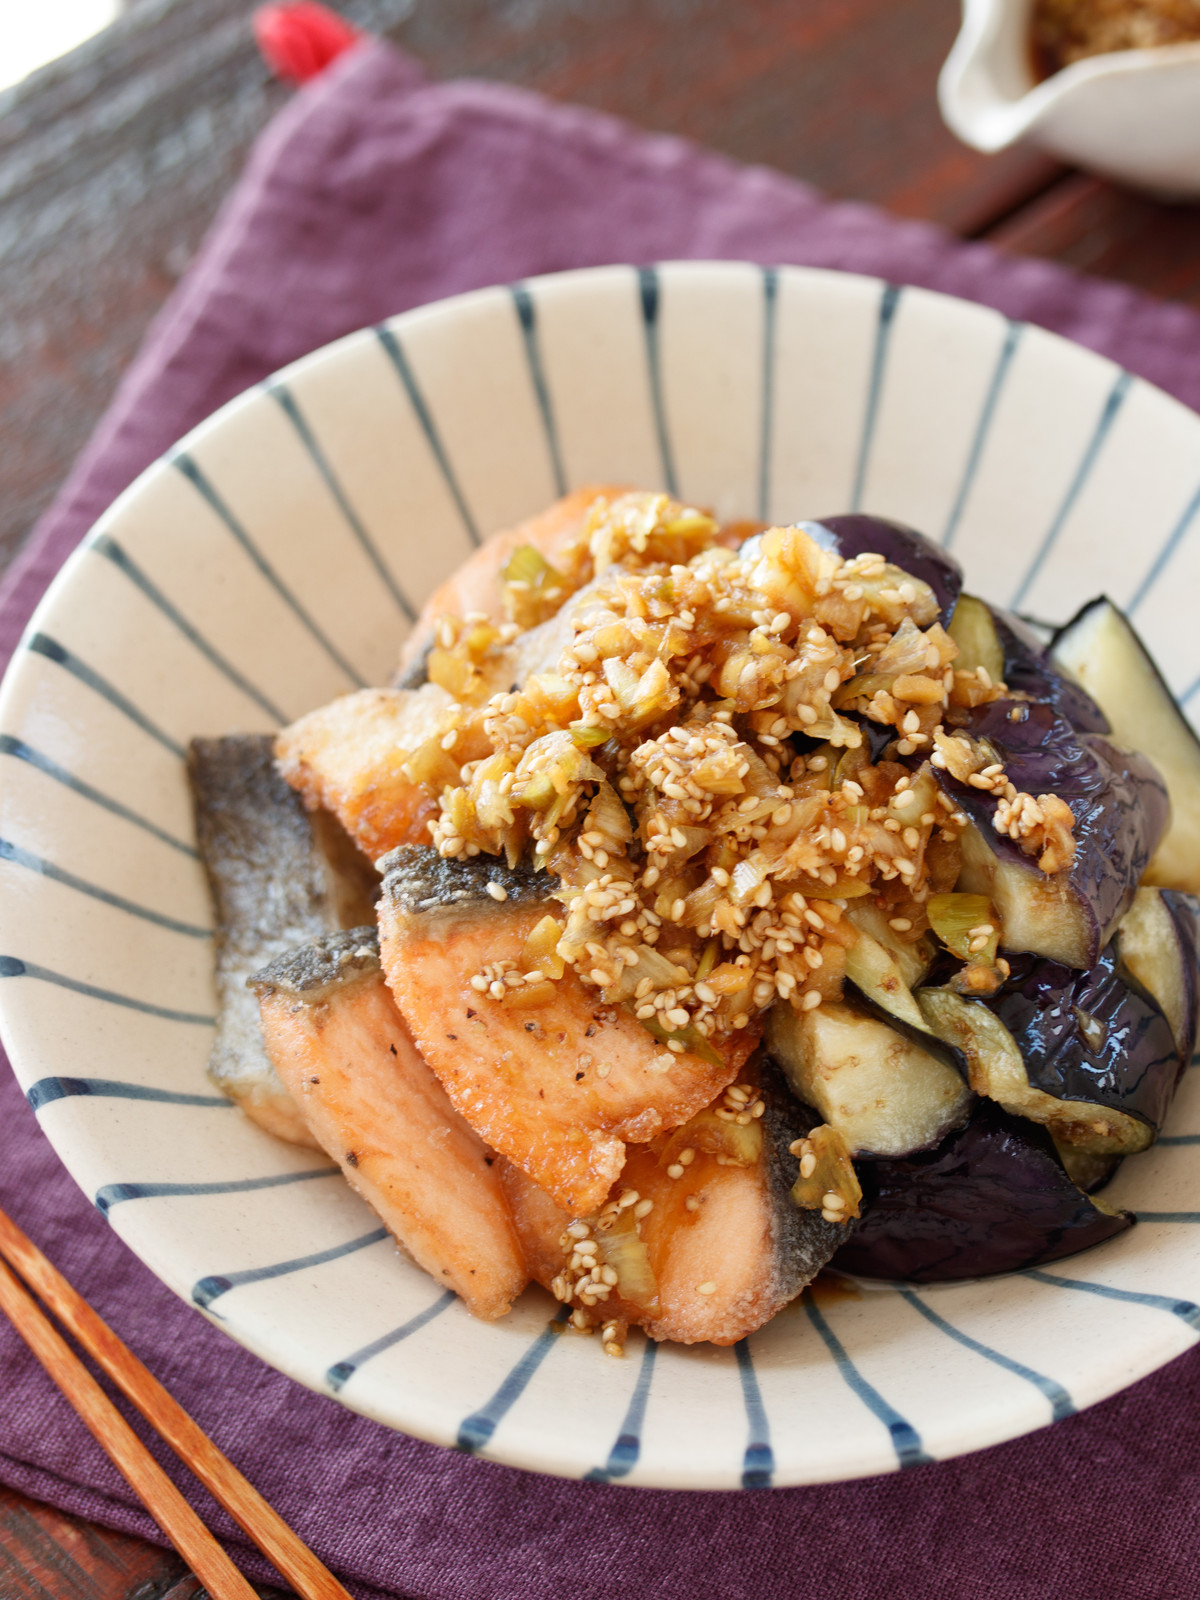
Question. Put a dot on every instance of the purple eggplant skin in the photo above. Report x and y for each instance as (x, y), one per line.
(1121, 812)
(1028, 670)
(1096, 1036)
(854, 535)
(993, 1197)
(1184, 910)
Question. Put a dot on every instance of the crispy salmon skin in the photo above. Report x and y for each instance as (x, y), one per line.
(278, 875)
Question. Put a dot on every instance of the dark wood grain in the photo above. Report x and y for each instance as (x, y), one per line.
(45, 1555)
(1100, 229)
(839, 92)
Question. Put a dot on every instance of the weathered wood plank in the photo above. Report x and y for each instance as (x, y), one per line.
(113, 162)
(45, 1555)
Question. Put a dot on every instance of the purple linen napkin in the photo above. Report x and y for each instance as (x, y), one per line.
(375, 191)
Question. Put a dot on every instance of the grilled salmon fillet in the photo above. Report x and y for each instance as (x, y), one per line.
(475, 586)
(343, 1051)
(559, 1090)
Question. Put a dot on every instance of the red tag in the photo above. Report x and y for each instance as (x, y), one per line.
(300, 39)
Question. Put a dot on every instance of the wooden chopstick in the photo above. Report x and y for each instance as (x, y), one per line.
(106, 1424)
(258, 1520)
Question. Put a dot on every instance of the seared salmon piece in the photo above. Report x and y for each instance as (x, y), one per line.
(278, 875)
(727, 1245)
(560, 1089)
(476, 586)
(349, 756)
(538, 1220)
(341, 1048)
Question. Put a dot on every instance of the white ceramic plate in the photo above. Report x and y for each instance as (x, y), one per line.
(274, 560)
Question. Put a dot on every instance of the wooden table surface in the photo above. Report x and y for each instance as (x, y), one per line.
(114, 160)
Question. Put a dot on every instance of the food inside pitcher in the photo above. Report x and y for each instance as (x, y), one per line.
(705, 906)
(1066, 31)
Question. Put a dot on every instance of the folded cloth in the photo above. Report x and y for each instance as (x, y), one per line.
(375, 191)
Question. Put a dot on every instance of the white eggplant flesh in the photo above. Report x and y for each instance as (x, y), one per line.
(885, 1094)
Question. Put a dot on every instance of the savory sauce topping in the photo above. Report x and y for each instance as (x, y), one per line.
(703, 862)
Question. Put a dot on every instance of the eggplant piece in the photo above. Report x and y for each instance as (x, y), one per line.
(885, 968)
(1160, 945)
(1012, 654)
(1088, 1170)
(853, 535)
(1096, 1037)
(1100, 648)
(993, 1197)
(887, 1091)
(1089, 1055)
(279, 875)
(1120, 807)
(1185, 914)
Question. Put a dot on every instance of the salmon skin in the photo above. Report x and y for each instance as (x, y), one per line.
(559, 1089)
(416, 672)
(342, 1050)
(420, 882)
(278, 876)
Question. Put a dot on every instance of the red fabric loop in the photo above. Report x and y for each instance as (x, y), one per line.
(300, 39)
